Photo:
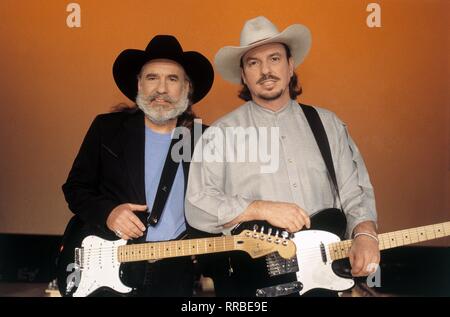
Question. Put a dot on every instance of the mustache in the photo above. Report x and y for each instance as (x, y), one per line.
(157, 95)
(266, 77)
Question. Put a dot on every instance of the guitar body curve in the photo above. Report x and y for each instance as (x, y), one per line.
(315, 269)
(87, 264)
(327, 226)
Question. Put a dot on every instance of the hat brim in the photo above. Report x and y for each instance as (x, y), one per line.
(129, 63)
(297, 37)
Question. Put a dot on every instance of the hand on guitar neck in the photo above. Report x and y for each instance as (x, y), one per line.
(364, 254)
(282, 215)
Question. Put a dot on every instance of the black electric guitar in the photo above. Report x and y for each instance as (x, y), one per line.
(88, 263)
(314, 266)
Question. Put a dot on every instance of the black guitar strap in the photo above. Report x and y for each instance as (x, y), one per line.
(165, 184)
(320, 135)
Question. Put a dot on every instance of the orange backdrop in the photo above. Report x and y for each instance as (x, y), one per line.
(389, 84)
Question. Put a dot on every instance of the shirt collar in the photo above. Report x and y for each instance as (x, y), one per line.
(259, 109)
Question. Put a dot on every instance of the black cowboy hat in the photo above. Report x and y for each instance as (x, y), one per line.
(129, 63)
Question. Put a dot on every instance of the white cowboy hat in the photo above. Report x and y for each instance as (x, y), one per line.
(256, 32)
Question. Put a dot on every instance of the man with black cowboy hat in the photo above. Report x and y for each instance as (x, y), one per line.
(125, 166)
(219, 197)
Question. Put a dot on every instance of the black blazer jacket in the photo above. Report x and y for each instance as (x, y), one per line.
(109, 168)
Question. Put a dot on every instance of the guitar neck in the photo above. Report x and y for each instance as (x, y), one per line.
(340, 250)
(177, 248)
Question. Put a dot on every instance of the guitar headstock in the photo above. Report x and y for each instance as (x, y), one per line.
(258, 244)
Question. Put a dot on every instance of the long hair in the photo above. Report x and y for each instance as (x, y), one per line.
(295, 89)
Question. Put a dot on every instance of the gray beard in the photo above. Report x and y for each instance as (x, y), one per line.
(160, 114)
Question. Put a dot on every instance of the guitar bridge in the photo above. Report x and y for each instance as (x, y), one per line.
(276, 265)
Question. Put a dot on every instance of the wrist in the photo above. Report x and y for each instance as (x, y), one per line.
(257, 211)
(366, 234)
(365, 226)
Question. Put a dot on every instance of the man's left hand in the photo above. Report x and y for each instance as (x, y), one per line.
(364, 255)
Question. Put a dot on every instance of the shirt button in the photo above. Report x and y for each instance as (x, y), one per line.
(294, 185)
(289, 160)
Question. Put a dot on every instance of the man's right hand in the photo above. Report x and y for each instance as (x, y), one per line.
(283, 215)
(125, 223)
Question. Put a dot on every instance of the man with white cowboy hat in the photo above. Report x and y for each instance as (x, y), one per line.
(219, 197)
(125, 169)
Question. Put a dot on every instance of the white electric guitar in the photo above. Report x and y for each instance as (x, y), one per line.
(88, 263)
(317, 249)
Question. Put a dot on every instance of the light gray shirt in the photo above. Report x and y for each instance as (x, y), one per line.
(218, 192)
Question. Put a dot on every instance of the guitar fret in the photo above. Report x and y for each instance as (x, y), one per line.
(406, 236)
(429, 232)
(399, 238)
(421, 234)
(414, 235)
(392, 240)
(446, 228)
(439, 230)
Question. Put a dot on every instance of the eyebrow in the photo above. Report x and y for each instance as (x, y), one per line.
(255, 58)
(275, 54)
(149, 75)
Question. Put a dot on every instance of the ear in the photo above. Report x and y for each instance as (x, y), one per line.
(291, 66)
(187, 83)
(139, 84)
(243, 76)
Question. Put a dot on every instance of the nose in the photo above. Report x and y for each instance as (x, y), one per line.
(162, 87)
(265, 69)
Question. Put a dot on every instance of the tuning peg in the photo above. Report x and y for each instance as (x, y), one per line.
(277, 233)
(285, 234)
(262, 229)
(270, 231)
(255, 227)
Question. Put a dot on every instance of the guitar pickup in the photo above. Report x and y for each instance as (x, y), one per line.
(79, 258)
(276, 265)
(280, 290)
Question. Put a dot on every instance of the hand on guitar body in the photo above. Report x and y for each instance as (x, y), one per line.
(365, 250)
(125, 223)
(279, 214)
(363, 253)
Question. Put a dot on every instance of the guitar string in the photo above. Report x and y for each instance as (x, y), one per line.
(306, 252)
(383, 239)
(313, 252)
